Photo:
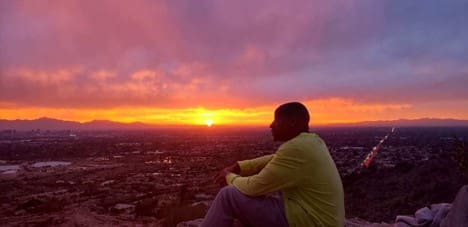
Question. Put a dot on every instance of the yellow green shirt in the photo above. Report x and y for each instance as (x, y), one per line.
(303, 170)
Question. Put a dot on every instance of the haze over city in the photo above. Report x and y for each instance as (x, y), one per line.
(232, 63)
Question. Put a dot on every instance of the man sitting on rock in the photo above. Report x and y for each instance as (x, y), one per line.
(301, 170)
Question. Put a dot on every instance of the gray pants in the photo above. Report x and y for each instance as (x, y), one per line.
(232, 204)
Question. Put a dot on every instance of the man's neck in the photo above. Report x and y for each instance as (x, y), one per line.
(294, 135)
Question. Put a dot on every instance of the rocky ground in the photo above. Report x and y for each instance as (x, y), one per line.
(380, 194)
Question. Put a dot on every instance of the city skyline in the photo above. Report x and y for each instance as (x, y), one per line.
(233, 63)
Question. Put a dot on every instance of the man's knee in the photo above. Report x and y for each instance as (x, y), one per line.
(229, 192)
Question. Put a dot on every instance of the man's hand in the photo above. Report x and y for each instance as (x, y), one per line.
(221, 177)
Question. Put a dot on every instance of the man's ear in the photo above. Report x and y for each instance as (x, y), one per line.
(293, 123)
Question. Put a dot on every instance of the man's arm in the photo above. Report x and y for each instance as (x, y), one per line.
(282, 171)
(253, 166)
(243, 168)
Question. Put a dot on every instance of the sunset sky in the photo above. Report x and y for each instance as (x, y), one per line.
(233, 62)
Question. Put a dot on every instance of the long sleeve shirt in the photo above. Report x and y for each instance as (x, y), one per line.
(304, 172)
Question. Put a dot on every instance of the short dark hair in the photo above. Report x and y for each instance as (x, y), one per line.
(294, 110)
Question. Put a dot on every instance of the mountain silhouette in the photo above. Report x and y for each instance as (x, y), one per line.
(56, 124)
(45, 123)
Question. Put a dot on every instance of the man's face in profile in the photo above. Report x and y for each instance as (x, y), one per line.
(280, 127)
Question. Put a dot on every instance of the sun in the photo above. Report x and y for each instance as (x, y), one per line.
(209, 122)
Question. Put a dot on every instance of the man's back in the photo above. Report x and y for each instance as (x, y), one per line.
(319, 191)
(304, 172)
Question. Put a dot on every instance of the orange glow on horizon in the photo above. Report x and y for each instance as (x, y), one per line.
(323, 111)
(189, 116)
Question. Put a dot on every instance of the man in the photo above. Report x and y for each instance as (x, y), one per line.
(302, 170)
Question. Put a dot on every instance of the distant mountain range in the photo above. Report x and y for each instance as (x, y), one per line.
(422, 122)
(55, 124)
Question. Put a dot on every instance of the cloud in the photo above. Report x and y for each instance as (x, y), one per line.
(71, 87)
(217, 54)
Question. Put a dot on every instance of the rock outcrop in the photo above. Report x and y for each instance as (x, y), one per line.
(458, 215)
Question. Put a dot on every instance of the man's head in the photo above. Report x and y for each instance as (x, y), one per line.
(290, 120)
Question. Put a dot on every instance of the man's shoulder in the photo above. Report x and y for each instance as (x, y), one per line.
(304, 141)
(305, 144)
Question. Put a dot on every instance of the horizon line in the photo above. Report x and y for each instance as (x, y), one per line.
(155, 125)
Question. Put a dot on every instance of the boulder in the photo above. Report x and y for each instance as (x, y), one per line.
(458, 214)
